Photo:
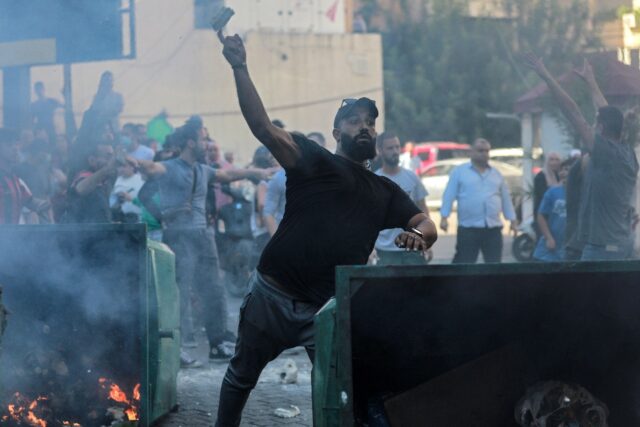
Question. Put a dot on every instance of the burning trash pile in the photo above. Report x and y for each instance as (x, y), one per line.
(557, 404)
(55, 365)
(40, 412)
(128, 412)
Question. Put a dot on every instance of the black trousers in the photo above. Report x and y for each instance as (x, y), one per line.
(472, 240)
(197, 274)
(270, 322)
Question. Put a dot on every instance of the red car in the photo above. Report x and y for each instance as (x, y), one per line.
(424, 154)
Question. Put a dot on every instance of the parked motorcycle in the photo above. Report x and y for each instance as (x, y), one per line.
(524, 244)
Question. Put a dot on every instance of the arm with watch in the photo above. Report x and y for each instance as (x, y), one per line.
(419, 235)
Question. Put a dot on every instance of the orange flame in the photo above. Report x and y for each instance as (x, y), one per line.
(136, 392)
(24, 411)
(131, 413)
(116, 394)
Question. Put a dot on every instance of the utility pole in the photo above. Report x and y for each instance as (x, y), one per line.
(16, 99)
(69, 119)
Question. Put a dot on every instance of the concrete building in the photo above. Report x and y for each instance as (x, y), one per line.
(300, 54)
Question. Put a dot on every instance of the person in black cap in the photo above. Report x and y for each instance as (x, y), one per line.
(335, 209)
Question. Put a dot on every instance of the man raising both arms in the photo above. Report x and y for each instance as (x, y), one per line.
(335, 210)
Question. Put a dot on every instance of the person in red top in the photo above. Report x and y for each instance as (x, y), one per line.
(14, 193)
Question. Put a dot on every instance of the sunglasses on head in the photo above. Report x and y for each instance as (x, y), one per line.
(348, 101)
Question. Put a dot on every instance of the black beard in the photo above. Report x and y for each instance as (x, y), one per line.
(393, 162)
(358, 152)
(201, 156)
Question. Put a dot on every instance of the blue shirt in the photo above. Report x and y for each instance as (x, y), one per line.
(481, 197)
(554, 208)
(276, 196)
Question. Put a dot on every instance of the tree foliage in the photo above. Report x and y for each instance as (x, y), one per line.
(444, 70)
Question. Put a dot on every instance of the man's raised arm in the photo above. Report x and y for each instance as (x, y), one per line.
(589, 78)
(278, 141)
(567, 105)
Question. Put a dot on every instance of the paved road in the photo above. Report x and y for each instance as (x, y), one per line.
(198, 390)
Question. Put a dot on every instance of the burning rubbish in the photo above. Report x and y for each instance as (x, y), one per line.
(23, 411)
(557, 404)
(116, 394)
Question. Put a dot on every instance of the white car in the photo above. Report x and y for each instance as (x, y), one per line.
(436, 177)
(515, 156)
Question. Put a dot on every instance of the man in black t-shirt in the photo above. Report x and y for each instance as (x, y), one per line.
(335, 209)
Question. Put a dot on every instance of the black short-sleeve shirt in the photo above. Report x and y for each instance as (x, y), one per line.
(334, 210)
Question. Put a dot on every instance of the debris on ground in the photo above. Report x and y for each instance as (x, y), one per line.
(554, 403)
(289, 372)
(293, 411)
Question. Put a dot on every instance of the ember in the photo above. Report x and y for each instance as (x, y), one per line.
(24, 411)
(117, 395)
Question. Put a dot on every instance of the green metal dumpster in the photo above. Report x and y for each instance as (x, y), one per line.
(94, 312)
(460, 345)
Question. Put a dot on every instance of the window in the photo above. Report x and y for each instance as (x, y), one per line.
(456, 153)
(204, 10)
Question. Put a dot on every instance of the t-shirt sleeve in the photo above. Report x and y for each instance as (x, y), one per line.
(419, 192)
(79, 177)
(546, 205)
(310, 154)
(401, 209)
(209, 172)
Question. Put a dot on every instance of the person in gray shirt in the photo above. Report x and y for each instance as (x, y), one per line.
(606, 214)
(183, 183)
(387, 253)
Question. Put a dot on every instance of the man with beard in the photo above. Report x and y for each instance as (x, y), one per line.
(95, 167)
(335, 209)
(182, 188)
(482, 194)
(387, 252)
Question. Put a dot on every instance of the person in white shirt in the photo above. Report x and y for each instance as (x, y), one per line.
(125, 190)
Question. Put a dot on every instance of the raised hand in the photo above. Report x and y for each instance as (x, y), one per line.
(233, 50)
(586, 73)
(534, 62)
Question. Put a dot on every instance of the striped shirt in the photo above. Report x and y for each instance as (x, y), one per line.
(14, 193)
